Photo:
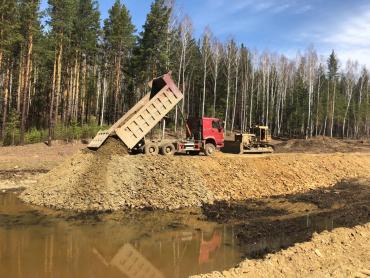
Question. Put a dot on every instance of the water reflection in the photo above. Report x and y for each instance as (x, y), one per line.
(33, 244)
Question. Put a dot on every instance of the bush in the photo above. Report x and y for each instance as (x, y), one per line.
(61, 132)
(34, 136)
(11, 136)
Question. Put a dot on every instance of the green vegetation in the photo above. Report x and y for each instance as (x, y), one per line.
(65, 79)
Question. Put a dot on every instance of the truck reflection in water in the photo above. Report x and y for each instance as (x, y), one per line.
(208, 247)
(35, 242)
(133, 264)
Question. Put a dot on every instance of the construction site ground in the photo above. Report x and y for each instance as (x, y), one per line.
(261, 196)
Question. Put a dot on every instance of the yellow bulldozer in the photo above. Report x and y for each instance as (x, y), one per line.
(256, 141)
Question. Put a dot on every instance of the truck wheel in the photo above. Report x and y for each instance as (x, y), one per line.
(151, 149)
(168, 149)
(209, 149)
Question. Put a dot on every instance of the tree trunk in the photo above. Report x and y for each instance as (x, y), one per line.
(51, 105)
(25, 87)
(215, 90)
(350, 89)
(58, 84)
(83, 89)
(333, 110)
(117, 87)
(317, 106)
(5, 101)
(20, 82)
(204, 82)
(227, 95)
(235, 96)
(103, 100)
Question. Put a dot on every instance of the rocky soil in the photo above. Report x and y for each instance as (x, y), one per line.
(344, 252)
(109, 179)
(322, 144)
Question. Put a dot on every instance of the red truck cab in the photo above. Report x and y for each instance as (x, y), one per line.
(208, 133)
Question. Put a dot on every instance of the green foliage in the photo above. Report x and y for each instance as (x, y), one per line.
(86, 27)
(62, 14)
(9, 26)
(152, 52)
(118, 29)
(332, 66)
(35, 136)
(12, 129)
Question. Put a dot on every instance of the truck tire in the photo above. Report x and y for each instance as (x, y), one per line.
(151, 149)
(168, 149)
(209, 149)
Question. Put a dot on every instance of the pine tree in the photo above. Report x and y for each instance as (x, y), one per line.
(30, 25)
(153, 39)
(119, 41)
(332, 76)
(9, 38)
(85, 36)
(62, 14)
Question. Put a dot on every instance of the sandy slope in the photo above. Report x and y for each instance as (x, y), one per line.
(343, 252)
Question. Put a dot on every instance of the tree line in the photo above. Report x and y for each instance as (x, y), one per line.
(64, 67)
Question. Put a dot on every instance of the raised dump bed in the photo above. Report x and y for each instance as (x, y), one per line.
(147, 113)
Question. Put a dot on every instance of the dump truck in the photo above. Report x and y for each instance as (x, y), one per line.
(256, 141)
(203, 135)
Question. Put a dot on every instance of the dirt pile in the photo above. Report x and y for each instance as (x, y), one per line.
(108, 179)
(325, 255)
(322, 144)
(241, 177)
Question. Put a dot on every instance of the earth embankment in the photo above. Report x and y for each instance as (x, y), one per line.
(110, 179)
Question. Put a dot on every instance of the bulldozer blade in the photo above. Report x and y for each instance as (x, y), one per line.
(99, 139)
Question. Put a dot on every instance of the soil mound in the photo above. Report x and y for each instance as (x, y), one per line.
(322, 144)
(109, 179)
(326, 255)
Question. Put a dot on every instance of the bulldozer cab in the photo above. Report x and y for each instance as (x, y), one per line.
(262, 134)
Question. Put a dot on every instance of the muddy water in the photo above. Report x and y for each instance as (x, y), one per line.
(36, 242)
(41, 243)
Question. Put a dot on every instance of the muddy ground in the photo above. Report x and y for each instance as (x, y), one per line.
(344, 252)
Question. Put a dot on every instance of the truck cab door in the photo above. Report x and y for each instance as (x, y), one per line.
(218, 132)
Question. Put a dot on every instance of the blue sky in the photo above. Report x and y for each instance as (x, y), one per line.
(282, 26)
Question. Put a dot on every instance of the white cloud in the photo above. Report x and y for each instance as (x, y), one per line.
(303, 9)
(274, 6)
(354, 31)
(349, 37)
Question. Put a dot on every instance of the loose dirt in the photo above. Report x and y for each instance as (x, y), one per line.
(37, 156)
(237, 177)
(343, 252)
(109, 179)
(322, 144)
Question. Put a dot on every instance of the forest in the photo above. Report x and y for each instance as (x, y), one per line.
(65, 73)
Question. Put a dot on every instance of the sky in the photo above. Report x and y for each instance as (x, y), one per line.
(281, 26)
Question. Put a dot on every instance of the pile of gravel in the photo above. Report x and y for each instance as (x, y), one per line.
(109, 179)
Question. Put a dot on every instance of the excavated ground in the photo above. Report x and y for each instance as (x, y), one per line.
(343, 252)
(322, 144)
(109, 179)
